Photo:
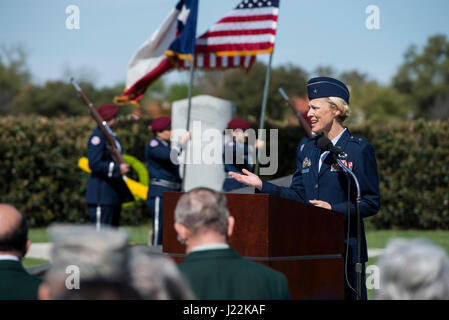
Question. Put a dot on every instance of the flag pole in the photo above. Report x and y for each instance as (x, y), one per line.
(264, 103)
(189, 108)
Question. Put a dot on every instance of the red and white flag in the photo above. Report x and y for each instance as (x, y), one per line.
(150, 62)
(235, 40)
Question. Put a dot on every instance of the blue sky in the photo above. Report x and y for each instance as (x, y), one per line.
(310, 33)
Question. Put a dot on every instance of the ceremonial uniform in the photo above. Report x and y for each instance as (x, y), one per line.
(241, 160)
(106, 190)
(319, 177)
(164, 177)
(237, 156)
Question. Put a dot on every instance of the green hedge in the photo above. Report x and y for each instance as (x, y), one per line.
(413, 165)
(40, 176)
(39, 166)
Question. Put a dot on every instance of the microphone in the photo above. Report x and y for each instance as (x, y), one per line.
(326, 145)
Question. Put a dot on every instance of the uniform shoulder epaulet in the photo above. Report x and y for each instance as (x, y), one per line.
(97, 132)
(153, 142)
(359, 140)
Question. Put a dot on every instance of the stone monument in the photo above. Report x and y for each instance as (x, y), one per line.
(203, 155)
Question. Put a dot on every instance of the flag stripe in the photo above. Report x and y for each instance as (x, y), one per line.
(137, 91)
(253, 12)
(236, 39)
(237, 33)
(248, 18)
(244, 26)
(235, 47)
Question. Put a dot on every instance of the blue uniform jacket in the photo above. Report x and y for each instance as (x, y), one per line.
(331, 183)
(233, 151)
(105, 185)
(160, 166)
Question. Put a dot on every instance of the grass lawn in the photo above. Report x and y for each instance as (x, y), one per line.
(380, 238)
(375, 239)
(33, 262)
(138, 234)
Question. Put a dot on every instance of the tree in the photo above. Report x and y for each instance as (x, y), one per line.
(179, 91)
(58, 98)
(14, 75)
(370, 100)
(246, 88)
(425, 75)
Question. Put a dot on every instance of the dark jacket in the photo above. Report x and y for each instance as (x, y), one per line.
(222, 274)
(330, 184)
(105, 185)
(160, 166)
(16, 283)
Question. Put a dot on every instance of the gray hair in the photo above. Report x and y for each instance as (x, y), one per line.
(203, 208)
(98, 255)
(156, 277)
(413, 270)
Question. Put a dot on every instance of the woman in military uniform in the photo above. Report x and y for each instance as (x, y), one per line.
(320, 181)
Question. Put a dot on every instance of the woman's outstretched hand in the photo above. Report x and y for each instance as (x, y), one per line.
(247, 178)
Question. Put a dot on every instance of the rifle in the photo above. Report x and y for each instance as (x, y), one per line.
(298, 114)
(101, 124)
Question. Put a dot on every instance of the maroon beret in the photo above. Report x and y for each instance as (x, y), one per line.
(107, 111)
(160, 123)
(238, 123)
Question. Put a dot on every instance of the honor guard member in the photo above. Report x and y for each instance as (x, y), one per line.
(163, 170)
(237, 154)
(106, 190)
(319, 180)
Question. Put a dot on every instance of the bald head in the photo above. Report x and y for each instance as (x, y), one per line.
(13, 231)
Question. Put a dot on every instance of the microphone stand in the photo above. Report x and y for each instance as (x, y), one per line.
(358, 265)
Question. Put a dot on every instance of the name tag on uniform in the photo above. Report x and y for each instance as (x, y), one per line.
(335, 167)
(305, 170)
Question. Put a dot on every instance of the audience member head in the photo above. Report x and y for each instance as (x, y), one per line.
(13, 232)
(98, 255)
(201, 217)
(156, 277)
(413, 270)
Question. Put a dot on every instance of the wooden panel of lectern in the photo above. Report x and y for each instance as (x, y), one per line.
(302, 241)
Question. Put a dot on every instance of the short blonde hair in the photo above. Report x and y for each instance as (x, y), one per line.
(342, 106)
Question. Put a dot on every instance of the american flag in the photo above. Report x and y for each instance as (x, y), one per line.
(234, 41)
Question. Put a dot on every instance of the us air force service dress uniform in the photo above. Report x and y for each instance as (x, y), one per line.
(106, 190)
(319, 177)
(237, 156)
(164, 176)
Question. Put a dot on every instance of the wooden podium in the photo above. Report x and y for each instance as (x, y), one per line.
(302, 241)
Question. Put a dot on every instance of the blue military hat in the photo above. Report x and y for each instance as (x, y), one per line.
(322, 87)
